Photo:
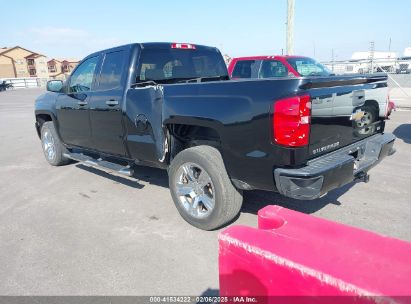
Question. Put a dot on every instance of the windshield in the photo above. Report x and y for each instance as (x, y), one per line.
(173, 65)
(308, 67)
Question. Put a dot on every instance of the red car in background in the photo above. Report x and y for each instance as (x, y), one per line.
(391, 106)
(275, 66)
(293, 66)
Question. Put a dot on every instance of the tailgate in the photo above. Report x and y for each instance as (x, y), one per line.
(344, 110)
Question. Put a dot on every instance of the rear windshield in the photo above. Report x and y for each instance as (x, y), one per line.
(173, 65)
(308, 67)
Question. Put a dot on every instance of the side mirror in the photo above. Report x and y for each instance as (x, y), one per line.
(54, 85)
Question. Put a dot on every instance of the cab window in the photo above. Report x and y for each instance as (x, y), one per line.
(273, 68)
(112, 70)
(82, 78)
(245, 68)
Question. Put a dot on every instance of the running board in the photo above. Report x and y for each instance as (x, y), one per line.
(100, 163)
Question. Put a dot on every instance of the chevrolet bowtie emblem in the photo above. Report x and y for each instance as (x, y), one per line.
(357, 115)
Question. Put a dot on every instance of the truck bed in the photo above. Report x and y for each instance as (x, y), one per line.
(240, 113)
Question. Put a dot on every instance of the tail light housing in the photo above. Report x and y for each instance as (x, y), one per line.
(291, 121)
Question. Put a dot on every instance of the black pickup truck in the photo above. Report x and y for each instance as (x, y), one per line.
(173, 106)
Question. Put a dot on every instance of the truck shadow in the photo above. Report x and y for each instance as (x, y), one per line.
(403, 132)
(253, 200)
(257, 199)
(149, 175)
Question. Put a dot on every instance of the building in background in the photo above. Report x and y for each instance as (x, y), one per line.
(69, 64)
(7, 68)
(407, 52)
(374, 55)
(18, 62)
(54, 67)
(13, 62)
(37, 65)
(61, 68)
(379, 61)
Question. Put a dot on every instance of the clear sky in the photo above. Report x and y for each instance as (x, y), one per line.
(75, 28)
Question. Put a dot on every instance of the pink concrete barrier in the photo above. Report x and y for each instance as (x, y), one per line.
(308, 259)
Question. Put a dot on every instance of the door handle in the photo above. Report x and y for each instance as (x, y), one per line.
(82, 103)
(112, 102)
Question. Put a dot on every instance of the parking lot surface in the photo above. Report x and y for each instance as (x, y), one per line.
(75, 230)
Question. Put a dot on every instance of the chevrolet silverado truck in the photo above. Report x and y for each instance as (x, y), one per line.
(173, 106)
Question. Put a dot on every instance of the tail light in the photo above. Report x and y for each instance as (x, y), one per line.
(291, 121)
(186, 46)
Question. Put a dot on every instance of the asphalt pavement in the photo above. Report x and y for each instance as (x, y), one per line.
(75, 230)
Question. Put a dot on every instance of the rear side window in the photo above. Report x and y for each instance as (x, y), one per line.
(112, 70)
(245, 69)
(273, 68)
(172, 65)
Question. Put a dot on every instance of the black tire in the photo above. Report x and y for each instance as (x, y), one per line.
(227, 199)
(50, 140)
(370, 116)
(373, 111)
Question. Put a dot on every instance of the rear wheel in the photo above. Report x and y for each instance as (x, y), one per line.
(53, 149)
(370, 116)
(201, 189)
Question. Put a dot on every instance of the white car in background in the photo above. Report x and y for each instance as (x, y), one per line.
(357, 67)
(403, 65)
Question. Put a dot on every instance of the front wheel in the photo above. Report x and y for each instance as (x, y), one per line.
(53, 149)
(201, 189)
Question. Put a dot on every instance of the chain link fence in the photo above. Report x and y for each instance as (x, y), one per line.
(398, 71)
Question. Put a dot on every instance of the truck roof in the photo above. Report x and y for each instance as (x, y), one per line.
(167, 45)
(149, 45)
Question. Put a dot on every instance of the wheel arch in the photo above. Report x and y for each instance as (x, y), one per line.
(183, 136)
(41, 118)
(374, 104)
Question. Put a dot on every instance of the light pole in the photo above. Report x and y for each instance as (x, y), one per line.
(372, 48)
(290, 27)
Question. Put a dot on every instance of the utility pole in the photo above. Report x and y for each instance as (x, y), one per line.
(290, 27)
(372, 48)
(332, 60)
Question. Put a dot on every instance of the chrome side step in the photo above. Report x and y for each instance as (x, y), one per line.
(100, 163)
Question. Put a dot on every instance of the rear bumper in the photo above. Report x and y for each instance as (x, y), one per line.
(335, 169)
